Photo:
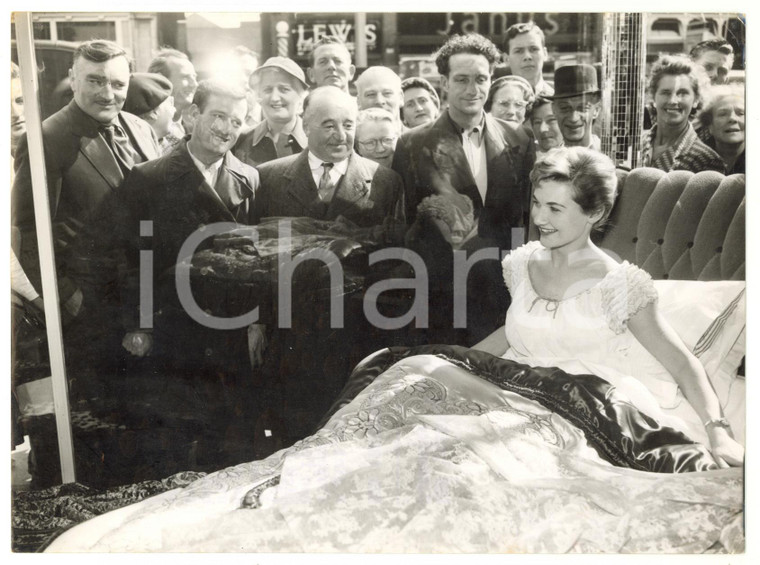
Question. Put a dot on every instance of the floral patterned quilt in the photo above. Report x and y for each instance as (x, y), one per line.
(449, 451)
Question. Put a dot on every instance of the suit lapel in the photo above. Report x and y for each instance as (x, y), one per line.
(301, 187)
(353, 186)
(187, 177)
(142, 143)
(97, 152)
(449, 149)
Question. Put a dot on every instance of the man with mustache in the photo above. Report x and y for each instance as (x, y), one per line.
(200, 182)
(158, 207)
(90, 146)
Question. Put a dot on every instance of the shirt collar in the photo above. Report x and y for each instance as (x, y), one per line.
(481, 126)
(213, 167)
(316, 163)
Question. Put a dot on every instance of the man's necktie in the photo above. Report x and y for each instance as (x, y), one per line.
(120, 146)
(326, 186)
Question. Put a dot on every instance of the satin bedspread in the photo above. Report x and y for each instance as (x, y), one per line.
(437, 454)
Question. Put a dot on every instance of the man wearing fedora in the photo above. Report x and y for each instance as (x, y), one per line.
(150, 97)
(280, 87)
(576, 102)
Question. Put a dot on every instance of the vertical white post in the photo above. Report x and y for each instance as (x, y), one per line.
(30, 89)
(360, 39)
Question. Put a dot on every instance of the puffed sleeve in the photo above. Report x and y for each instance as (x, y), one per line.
(515, 265)
(625, 291)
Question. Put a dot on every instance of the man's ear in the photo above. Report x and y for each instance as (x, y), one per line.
(194, 111)
(351, 72)
(444, 83)
(310, 74)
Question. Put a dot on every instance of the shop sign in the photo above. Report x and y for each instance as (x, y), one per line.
(309, 32)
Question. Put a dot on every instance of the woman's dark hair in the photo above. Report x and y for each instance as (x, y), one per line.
(591, 174)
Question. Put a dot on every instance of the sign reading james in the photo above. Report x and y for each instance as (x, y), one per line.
(309, 30)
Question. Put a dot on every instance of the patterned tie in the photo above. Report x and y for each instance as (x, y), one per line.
(326, 186)
(120, 146)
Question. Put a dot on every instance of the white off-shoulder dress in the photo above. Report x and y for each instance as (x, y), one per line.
(587, 332)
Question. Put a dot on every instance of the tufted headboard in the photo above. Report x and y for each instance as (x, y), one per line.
(679, 225)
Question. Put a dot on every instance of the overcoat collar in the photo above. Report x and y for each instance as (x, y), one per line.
(260, 131)
(232, 187)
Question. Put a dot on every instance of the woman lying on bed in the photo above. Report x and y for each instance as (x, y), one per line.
(572, 304)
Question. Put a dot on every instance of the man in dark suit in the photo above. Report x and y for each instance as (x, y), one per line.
(200, 182)
(90, 145)
(204, 370)
(326, 181)
(330, 180)
(468, 152)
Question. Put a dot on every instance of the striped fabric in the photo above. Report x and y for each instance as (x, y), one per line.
(687, 154)
(716, 327)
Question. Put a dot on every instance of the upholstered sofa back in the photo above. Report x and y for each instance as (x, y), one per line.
(679, 225)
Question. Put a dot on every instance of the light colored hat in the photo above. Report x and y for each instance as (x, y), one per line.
(286, 65)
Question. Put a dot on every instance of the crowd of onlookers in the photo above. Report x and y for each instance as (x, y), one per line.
(140, 160)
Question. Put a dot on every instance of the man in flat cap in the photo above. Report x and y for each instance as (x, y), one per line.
(576, 102)
(280, 87)
(150, 97)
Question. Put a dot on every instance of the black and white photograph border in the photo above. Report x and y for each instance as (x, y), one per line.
(226, 11)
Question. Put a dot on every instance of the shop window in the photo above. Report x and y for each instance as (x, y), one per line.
(84, 31)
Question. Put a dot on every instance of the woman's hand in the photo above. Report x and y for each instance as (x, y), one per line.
(726, 450)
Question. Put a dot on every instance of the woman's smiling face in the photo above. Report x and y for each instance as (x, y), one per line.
(560, 220)
(674, 100)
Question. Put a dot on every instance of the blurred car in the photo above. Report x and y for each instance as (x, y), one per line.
(54, 60)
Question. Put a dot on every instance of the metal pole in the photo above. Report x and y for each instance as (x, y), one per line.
(30, 89)
(360, 40)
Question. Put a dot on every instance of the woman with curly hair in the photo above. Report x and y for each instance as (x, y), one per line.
(677, 88)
